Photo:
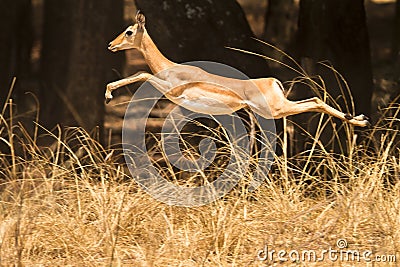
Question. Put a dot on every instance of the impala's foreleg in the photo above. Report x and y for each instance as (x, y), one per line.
(140, 76)
(317, 105)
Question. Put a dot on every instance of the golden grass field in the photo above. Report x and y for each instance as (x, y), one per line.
(63, 206)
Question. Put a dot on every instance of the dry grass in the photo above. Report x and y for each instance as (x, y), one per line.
(77, 207)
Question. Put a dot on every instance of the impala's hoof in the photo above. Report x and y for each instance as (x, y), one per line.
(365, 118)
(348, 116)
(108, 99)
(362, 121)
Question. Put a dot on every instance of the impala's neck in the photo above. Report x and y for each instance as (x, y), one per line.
(154, 58)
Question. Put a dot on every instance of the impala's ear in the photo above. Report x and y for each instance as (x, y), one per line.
(140, 19)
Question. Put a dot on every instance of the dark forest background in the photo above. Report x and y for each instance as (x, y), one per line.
(57, 50)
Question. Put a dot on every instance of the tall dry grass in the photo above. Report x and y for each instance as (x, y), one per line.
(73, 204)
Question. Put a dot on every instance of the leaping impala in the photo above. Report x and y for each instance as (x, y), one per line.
(203, 92)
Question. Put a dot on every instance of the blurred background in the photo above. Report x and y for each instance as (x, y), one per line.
(57, 50)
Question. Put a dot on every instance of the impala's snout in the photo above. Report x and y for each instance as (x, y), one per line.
(112, 47)
(118, 43)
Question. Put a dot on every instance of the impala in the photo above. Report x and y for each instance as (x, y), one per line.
(203, 92)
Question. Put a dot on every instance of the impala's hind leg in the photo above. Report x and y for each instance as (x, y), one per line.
(317, 105)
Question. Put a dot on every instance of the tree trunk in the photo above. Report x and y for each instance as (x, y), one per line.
(76, 64)
(281, 22)
(396, 38)
(57, 38)
(190, 30)
(396, 48)
(336, 31)
(15, 26)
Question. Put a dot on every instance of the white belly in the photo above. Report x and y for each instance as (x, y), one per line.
(206, 106)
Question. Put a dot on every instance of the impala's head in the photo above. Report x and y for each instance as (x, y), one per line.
(131, 37)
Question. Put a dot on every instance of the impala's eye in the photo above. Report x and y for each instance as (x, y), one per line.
(129, 33)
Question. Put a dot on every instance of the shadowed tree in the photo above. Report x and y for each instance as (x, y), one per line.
(396, 46)
(335, 31)
(76, 64)
(396, 38)
(15, 48)
(281, 22)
